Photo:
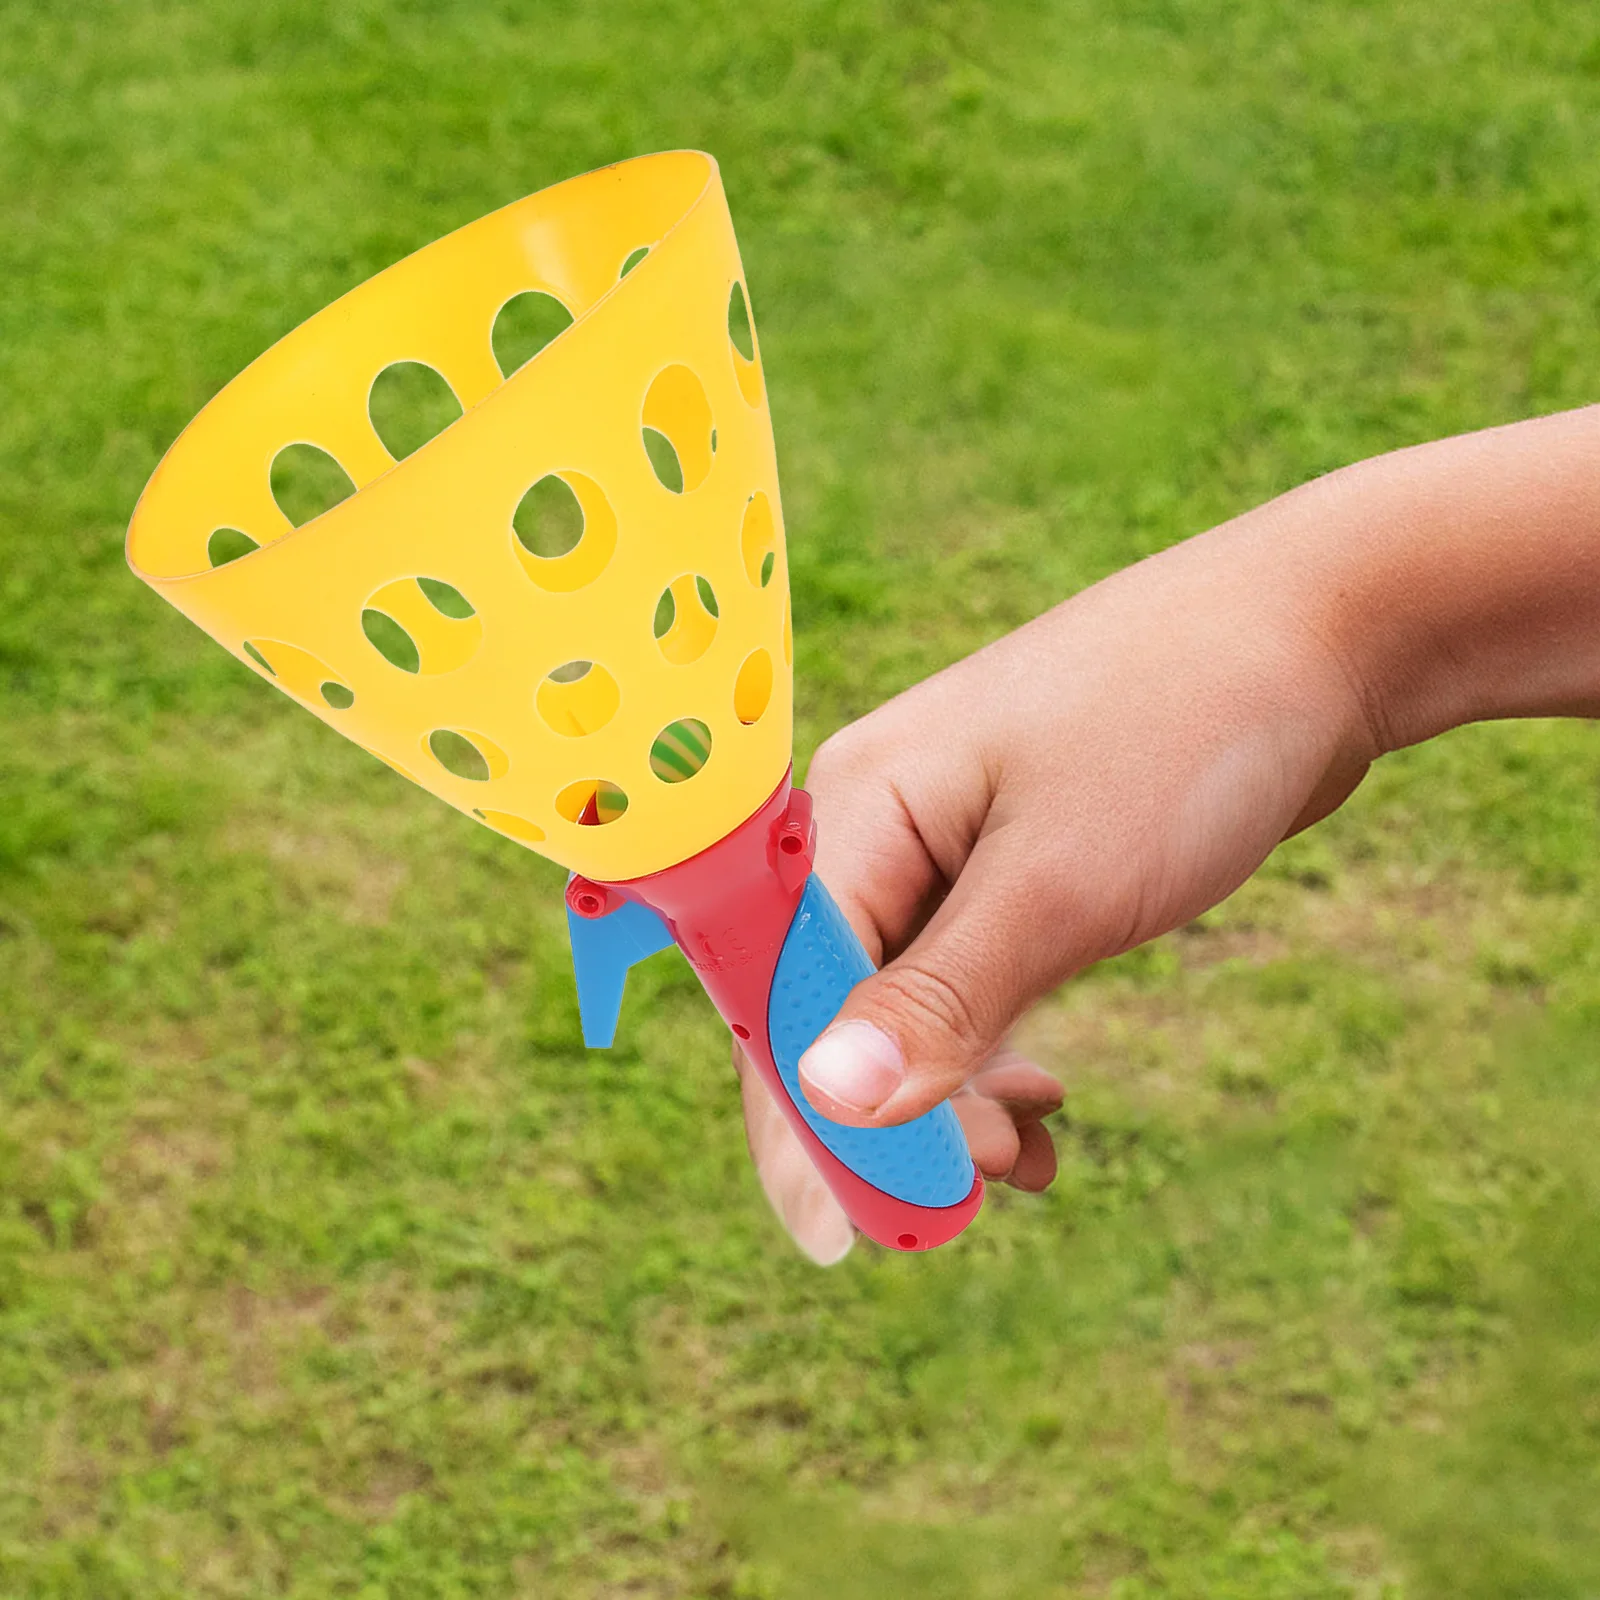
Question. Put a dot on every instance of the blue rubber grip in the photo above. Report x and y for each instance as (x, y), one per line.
(924, 1162)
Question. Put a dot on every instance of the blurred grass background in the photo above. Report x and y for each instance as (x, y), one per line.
(331, 1264)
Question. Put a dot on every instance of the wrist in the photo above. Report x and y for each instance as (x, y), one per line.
(1358, 575)
(1450, 582)
(1293, 590)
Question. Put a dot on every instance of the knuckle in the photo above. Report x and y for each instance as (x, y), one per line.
(936, 1005)
(853, 753)
(834, 759)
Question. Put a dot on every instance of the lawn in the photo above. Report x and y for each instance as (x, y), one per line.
(332, 1265)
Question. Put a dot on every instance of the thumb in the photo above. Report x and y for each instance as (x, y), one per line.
(909, 1036)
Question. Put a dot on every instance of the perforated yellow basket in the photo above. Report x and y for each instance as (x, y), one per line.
(561, 699)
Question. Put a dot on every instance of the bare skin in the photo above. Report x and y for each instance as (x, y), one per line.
(1125, 761)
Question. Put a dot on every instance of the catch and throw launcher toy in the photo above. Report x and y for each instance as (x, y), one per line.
(623, 705)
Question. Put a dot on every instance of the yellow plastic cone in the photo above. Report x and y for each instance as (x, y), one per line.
(617, 707)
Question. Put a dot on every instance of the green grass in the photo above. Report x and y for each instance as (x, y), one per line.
(331, 1264)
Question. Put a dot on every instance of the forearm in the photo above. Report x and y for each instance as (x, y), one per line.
(1454, 581)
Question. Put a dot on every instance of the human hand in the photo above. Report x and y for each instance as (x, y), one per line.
(1128, 759)
(1001, 1109)
(1092, 780)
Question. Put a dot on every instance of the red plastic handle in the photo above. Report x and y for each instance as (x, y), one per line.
(729, 909)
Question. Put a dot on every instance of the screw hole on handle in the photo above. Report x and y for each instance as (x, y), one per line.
(740, 1031)
(907, 1241)
(791, 844)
